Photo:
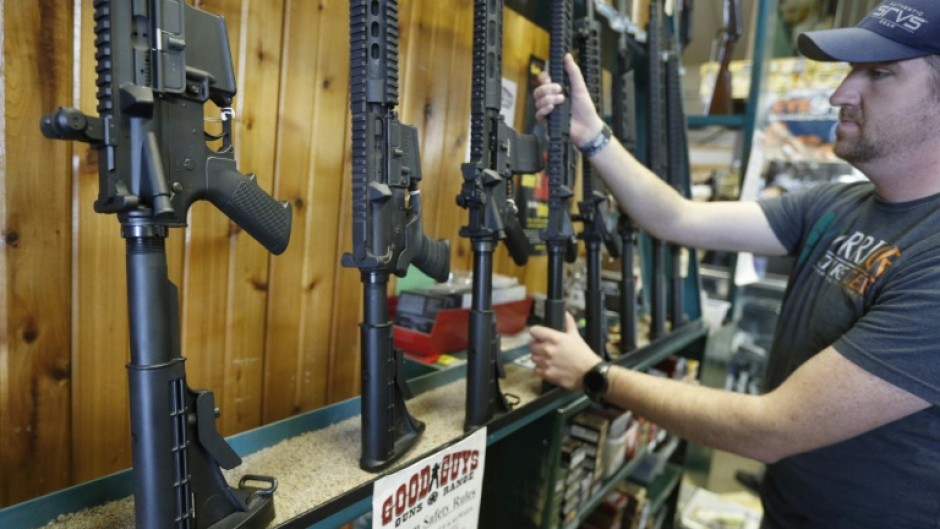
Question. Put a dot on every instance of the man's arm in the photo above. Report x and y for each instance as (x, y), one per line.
(811, 409)
(647, 199)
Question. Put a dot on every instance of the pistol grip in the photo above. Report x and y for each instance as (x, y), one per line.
(242, 200)
(434, 258)
(516, 242)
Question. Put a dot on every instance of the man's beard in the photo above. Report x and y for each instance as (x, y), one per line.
(855, 148)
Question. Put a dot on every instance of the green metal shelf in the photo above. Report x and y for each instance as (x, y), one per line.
(621, 475)
(659, 490)
(734, 121)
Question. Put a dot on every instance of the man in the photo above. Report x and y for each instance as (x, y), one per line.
(850, 428)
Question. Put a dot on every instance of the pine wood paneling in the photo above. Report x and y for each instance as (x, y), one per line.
(452, 83)
(36, 279)
(311, 154)
(329, 148)
(256, 121)
(294, 176)
(100, 411)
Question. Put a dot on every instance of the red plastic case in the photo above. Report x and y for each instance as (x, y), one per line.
(449, 333)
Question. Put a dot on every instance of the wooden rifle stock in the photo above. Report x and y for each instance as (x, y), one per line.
(722, 102)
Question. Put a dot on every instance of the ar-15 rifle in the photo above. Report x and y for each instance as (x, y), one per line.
(497, 152)
(158, 62)
(559, 233)
(722, 100)
(677, 145)
(387, 230)
(592, 209)
(624, 128)
(657, 159)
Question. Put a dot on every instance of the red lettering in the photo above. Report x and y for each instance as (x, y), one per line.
(401, 499)
(445, 469)
(425, 481)
(387, 511)
(455, 466)
(413, 490)
(474, 460)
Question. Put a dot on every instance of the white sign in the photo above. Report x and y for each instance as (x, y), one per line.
(440, 492)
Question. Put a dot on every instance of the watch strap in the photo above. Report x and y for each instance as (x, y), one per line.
(596, 382)
(597, 143)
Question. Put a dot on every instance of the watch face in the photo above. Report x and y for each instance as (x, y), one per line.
(593, 381)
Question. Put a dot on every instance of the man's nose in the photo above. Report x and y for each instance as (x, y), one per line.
(845, 94)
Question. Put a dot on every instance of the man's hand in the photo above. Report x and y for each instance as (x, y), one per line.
(561, 358)
(585, 122)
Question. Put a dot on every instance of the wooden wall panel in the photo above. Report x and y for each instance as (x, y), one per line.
(448, 130)
(271, 336)
(311, 156)
(288, 313)
(256, 121)
(325, 207)
(35, 285)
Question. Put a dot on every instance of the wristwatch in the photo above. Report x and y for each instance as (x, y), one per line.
(597, 143)
(595, 381)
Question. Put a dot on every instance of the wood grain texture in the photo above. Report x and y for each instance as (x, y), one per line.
(329, 146)
(100, 402)
(256, 120)
(447, 122)
(35, 287)
(311, 156)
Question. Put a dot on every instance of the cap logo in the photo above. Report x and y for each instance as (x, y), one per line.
(898, 15)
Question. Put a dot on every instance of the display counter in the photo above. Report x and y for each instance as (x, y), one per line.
(314, 456)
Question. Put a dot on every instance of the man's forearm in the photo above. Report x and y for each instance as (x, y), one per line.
(733, 422)
(662, 212)
(646, 198)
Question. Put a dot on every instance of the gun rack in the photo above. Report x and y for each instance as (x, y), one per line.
(333, 491)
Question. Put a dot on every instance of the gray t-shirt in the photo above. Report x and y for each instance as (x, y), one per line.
(867, 282)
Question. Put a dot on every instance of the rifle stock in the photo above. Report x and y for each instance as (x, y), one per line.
(158, 63)
(722, 101)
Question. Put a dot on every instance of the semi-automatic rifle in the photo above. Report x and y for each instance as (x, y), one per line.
(656, 117)
(387, 230)
(677, 146)
(158, 63)
(497, 152)
(593, 209)
(624, 128)
(558, 235)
